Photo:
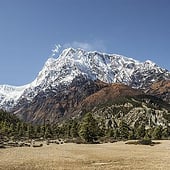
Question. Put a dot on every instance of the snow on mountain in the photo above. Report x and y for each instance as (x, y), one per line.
(71, 62)
(10, 94)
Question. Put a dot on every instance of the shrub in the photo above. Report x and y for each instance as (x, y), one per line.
(2, 146)
(144, 141)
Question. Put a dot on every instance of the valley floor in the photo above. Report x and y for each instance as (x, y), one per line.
(116, 156)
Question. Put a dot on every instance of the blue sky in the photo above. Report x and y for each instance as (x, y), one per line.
(29, 29)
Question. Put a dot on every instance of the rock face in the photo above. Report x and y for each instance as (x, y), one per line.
(135, 111)
(118, 102)
(65, 82)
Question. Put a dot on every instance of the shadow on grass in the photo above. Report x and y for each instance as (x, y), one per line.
(143, 142)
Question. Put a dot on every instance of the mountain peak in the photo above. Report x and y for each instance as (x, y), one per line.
(67, 52)
(150, 63)
(50, 61)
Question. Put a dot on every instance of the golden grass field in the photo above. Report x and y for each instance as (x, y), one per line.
(107, 156)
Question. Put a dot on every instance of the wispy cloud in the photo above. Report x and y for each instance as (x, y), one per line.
(97, 45)
(56, 49)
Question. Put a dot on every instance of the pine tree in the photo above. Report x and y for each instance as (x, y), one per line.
(124, 130)
(4, 128)
(116, 133)
(131, 135)
(21, 130)
(110, 132)
(157, 133)
(89, 129)
(74, 129)
(165, 133)
(28, 131)
(140, 131)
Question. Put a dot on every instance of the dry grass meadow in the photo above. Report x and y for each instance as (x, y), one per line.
(108, 156)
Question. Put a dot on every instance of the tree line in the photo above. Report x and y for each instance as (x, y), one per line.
(88, 130)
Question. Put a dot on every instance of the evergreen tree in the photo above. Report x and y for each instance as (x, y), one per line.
(48, 131)
(110, 132)
(66, 129)
(21, 130)
(28, 134)
(102, 128)
(157, 133)
(11, 130)
(165, 133)
(89, 129)
(116, 133)
(4, 128)
(74, 129)
(123, 130)
(131, 135)
(140, 131)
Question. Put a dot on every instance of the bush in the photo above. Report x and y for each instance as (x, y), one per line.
(147, 141)
(144, 141)
(2, 146)
(132, 142)
(112, 140)
(107, 140)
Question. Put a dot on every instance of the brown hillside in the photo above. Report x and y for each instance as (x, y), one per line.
(56, 104)
(161, 87)
(109, 94)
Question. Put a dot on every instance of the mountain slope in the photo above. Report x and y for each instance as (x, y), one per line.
(118, 102)
(9, 95)
(109, 94)
(58, 102)
(135, 111)
(160, 89)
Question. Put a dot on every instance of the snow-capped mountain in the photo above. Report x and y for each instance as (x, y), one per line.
(62, 69)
